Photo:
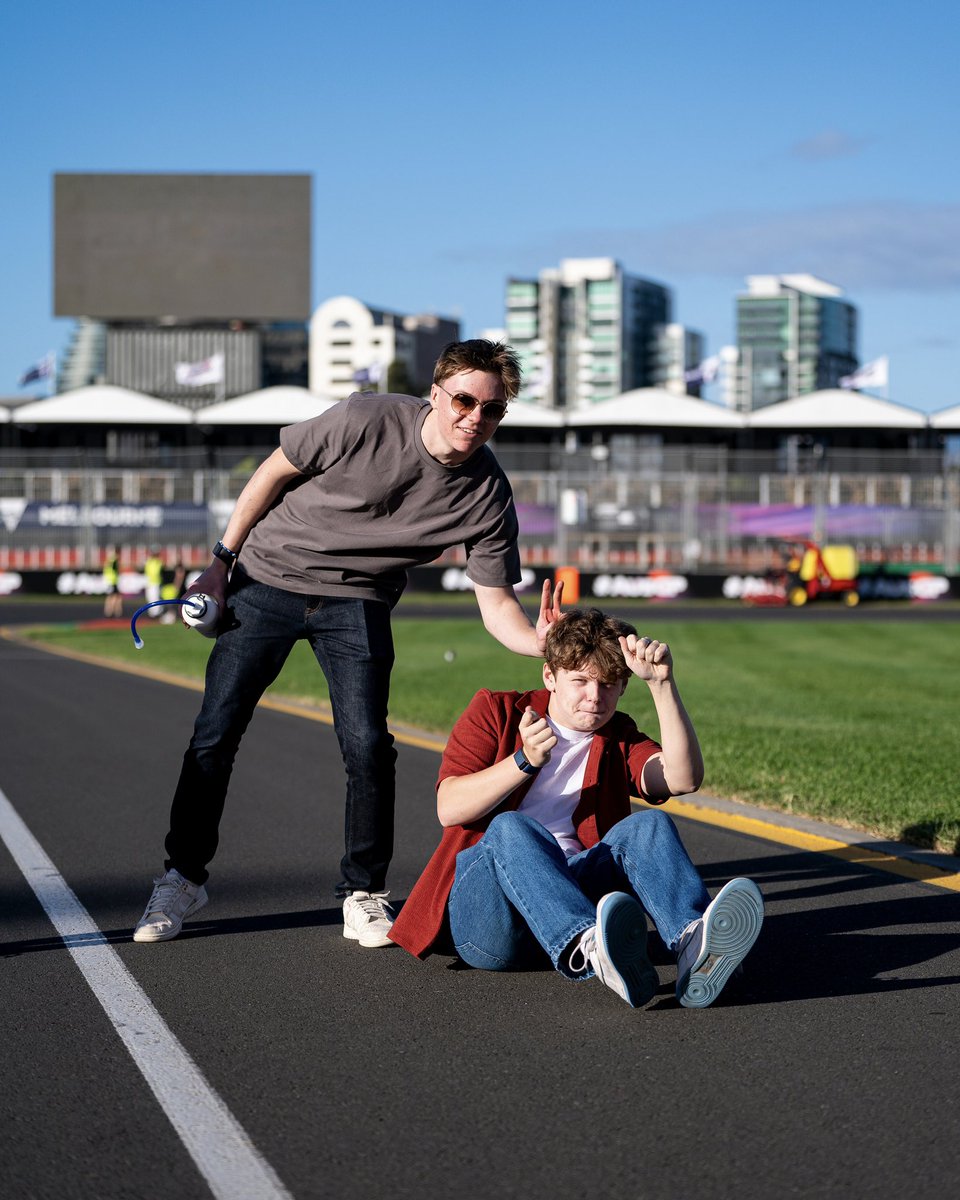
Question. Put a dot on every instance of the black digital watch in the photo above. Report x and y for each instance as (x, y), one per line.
(224, 554)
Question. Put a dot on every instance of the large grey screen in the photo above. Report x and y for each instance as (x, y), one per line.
(148, 246)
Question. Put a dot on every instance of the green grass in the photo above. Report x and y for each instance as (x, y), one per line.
(851, 722)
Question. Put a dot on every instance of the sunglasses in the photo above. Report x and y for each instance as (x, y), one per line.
(463, 403)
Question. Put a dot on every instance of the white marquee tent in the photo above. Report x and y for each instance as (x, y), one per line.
(946, 418)
(836, 408)
(269, 406)
(523, 415)
(101, 404)
(657, 407)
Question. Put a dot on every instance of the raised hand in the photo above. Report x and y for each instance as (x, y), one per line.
(537, 737)
(549, 611)
(647, 658)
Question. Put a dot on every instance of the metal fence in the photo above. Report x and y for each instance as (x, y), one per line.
(697, 508)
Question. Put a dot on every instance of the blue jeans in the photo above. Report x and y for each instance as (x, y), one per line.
(353, 643)
(515, 895)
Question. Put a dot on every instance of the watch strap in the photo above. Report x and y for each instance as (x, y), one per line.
(524, 764)
(224, 554)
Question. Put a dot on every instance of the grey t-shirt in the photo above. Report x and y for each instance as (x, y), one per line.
(373, 502)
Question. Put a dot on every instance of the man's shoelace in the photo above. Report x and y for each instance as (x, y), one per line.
(165, 892)
(375, 908)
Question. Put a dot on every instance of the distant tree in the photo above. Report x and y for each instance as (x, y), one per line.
(398, 379)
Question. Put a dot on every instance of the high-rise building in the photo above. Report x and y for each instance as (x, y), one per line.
(85, 359)
(794, 335)
(352, 345)
(677, 351)
(585, 331)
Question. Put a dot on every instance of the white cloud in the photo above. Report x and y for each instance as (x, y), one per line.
(884, 245)
(891, 245)
(828, 144)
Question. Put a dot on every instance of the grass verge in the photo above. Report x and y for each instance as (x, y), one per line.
(850, 723)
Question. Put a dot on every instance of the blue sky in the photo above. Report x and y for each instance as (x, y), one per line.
(452, 145)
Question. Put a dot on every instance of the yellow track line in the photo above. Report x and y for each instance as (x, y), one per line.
(768, 830)
(785, 836)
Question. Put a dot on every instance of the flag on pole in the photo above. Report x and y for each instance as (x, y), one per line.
(371, 374)
(44, 369)
(706, 372)
(196, 374)
(872, 374)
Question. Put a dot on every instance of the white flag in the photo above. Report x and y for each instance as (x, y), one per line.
(706, 372)
(872, 374)
(371, 374)
(196, 374)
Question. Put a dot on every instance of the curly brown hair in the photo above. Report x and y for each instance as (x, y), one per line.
(586, 637)
(480, 354)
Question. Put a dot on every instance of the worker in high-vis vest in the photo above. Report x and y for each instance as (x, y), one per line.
(112, 600)
(153, 572)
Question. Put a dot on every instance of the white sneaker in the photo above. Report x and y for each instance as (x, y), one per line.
(616, 948)
(172, 901)
(713, 947)
(368, 918)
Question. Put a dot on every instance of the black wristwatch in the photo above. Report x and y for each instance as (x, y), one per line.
(226, 556)
(524, 764)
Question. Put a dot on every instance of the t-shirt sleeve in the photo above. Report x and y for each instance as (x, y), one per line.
(493, 560)
(312, 445)
(474, 741)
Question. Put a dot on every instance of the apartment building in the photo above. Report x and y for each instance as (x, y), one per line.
(353, 346)
(585, 331)
(794, 335)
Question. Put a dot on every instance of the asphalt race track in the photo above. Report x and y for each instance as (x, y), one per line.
(829, 1070)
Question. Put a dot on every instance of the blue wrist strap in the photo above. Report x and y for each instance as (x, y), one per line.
(526, 767)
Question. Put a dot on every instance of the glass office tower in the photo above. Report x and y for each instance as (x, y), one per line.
(794, 335)
(585, 332)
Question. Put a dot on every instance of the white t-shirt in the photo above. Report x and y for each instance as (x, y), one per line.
(555, 792)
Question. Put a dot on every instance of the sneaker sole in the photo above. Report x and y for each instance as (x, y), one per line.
(622, 923)
(371, 941)
(145, 935)
(732, 927)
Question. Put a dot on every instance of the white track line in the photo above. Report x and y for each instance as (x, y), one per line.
(223, 1153)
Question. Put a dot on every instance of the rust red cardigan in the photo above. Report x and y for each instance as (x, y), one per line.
(488, 731)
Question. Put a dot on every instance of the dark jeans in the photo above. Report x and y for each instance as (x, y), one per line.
(353, 643)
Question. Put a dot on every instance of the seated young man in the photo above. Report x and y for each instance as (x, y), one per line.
(541, 851)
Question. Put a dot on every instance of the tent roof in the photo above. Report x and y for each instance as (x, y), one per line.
(269, 406)
(657, 407)
(102, 404)
(836, 408)
(4, 415)
(524, 415)
(946, 418)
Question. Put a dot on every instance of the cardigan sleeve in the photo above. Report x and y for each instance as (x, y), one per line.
(636, 748)
(475, 739)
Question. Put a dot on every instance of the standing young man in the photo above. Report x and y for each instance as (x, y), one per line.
(317, 548)
(542, 859)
